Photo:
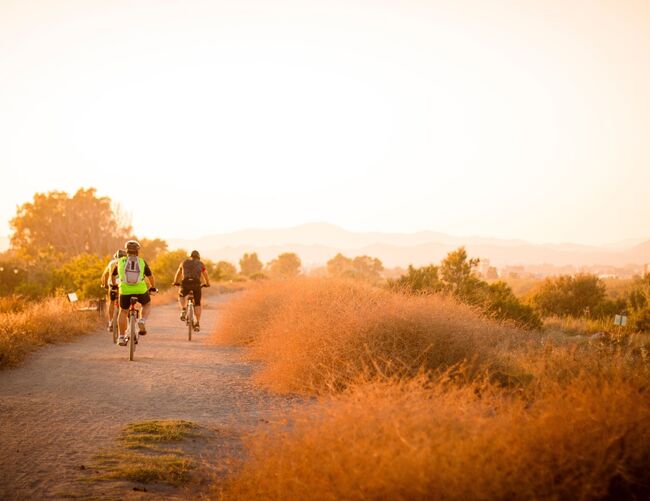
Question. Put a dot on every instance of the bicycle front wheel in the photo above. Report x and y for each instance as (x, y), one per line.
(132, 335)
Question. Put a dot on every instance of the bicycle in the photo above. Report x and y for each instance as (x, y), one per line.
(189, 316)
(132, 331)
(132, 327)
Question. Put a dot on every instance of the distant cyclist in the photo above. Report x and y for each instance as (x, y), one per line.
(133, 273)
(108, 282)
(188, 276)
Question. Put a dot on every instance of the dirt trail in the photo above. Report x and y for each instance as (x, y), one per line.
(68, 401)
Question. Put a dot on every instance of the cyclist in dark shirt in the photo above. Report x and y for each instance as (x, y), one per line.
(189, 277)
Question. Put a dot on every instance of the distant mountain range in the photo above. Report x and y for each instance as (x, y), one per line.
(316, 243)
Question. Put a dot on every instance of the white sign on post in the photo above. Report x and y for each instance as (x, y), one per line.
(620, 320)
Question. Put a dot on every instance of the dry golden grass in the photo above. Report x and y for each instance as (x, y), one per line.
(12, 304)
(32, 324)
(410, 407)
(584, 438)
(319, 335)
(580, 326)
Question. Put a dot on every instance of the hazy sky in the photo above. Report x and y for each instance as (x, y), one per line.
(499, 118)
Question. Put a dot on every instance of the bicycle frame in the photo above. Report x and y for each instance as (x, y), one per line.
(132, 336)
(189, 319)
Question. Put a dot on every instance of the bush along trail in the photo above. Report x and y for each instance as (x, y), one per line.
(79, 419)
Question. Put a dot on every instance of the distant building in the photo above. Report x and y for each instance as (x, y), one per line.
(484, 267)
(512, 272)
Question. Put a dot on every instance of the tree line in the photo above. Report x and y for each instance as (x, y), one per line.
(62, 242)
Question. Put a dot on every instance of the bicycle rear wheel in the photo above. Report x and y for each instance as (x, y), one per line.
(132, 335)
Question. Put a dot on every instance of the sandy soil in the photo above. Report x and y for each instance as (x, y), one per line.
(67, 402)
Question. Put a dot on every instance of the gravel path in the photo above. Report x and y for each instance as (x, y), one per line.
(68, 401)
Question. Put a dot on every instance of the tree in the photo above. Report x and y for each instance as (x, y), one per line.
(81, 275)
(224, 270)
(501, 303)
(367, 268)
(340, 266)
(419, 280)
(568, 295)
(455, 276)
(638, 303)
(12, 274)
(286, 265)
(55, 224)
(456, 271)
(150, 249)
(250, 265)
(164, 267)
(360, 268)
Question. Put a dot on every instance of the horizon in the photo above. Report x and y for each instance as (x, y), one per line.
(621, 244)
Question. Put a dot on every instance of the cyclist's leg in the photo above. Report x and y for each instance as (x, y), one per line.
(125, 303)
(182, 299)
(111, 307)
(146, 309)
(145, 303)
(197, 303)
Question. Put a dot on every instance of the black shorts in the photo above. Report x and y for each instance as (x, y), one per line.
(191, 285)
(125, 299)
(112, 294)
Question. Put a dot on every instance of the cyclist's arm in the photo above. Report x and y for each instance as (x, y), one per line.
(206, 278)
(104, 279)
(149, 276)
(179, 272)
(113, 275)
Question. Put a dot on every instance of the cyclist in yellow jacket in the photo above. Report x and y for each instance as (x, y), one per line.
(133, 273)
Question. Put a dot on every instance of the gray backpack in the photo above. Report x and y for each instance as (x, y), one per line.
(132, 270)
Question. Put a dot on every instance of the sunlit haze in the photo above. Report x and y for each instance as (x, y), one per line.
(509, 119)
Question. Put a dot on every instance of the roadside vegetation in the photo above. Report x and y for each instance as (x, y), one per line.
(420, 396)
(321, 335)
(26, 326)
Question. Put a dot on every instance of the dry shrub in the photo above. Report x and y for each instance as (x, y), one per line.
(318, 335)
(579, 326)
(35, 324)
(587, 437)
(11, 304)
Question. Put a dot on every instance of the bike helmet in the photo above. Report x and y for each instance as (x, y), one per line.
(195, 254)
(132, 246)
(119, 253)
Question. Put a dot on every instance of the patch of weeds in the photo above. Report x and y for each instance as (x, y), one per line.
(156, 459)
(172, 469)
(141, 435)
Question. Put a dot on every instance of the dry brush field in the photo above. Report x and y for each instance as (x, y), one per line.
(419, 397)
(26, 325)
